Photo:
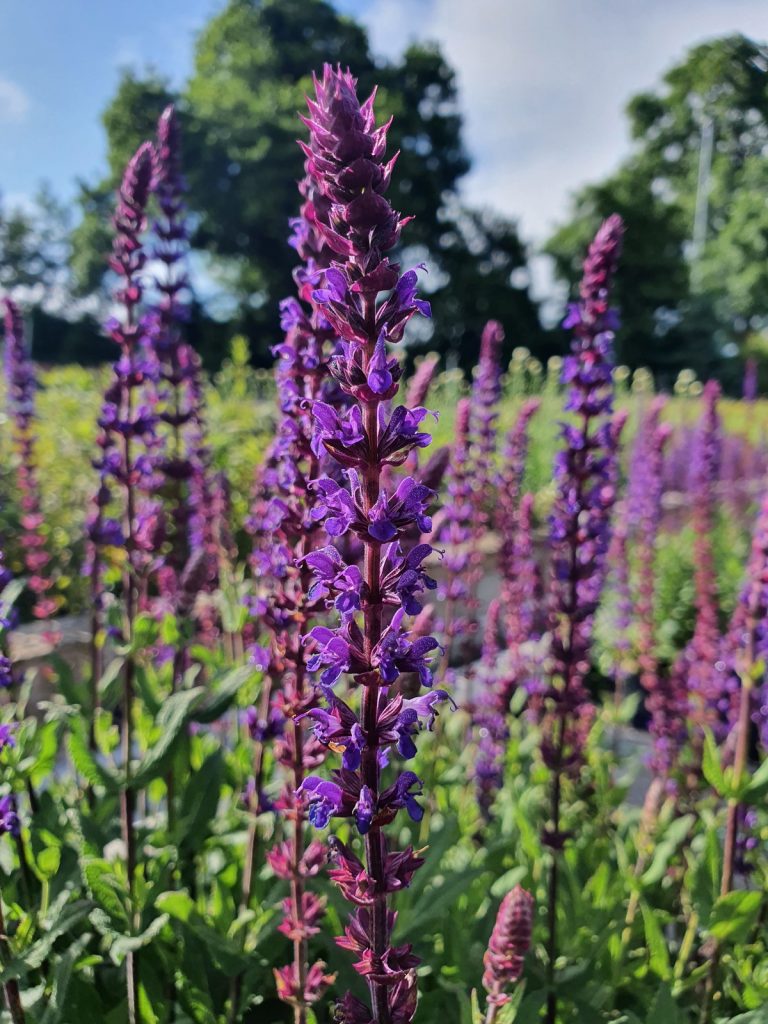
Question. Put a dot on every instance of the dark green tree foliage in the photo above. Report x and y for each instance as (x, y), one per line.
(252, 70)
(675, 313)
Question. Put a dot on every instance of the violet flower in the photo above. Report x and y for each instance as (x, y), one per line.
(345, 158)
(22, 385)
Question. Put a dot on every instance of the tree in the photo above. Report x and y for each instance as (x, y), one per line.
(239, 111)
(681, 306)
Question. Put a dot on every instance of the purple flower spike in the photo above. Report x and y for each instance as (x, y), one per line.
(22, 385)
(347, 169)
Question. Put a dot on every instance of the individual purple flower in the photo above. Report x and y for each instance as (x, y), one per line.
(10, 823)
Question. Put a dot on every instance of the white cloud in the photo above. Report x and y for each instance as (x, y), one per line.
(14, 102)
(544, 84)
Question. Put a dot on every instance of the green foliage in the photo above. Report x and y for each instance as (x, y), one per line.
(239, 108)
(681, 307)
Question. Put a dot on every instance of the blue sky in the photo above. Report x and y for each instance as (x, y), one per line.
(543, 82)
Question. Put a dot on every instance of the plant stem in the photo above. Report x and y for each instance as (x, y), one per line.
(10, 988)
(127, 796)
(732, 822)
(372, 614)
(251, 845)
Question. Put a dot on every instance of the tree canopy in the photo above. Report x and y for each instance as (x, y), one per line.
(682, 305)
(252, 70)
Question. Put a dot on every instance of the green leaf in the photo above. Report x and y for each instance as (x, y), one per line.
(757, 788)
(530, 1008)
(171, 721)
(711, 766)
(734, 915)
(87, 765)
(225, 693)
(108, 892)
(200, 800)
(62, 974)
(130, 943)
(657, 946)
(178, 904)
(668, 845)
(663, 1009)
(109, 682)
(38, 953)
(477, 1015)
(754, 1017)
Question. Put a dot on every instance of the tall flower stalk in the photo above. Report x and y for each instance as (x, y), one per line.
(701, 655)
(748, 648)
(345, 157)
(579, 533)
(644, 508)
(22, 385)
(453, 536)
(127, 434)
(294, 555)
(514, 456)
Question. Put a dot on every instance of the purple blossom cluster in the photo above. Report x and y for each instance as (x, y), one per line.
(586, 492)
(371, 642)
(181, 457)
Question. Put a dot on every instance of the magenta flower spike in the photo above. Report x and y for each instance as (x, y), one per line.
(373, 602)
(20, 377)
(510, 941)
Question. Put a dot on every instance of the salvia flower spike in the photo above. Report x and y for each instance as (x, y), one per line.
(579, 534)
(345, 158)
(22, 384)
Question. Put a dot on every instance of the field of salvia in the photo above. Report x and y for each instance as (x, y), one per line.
(379, 715)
